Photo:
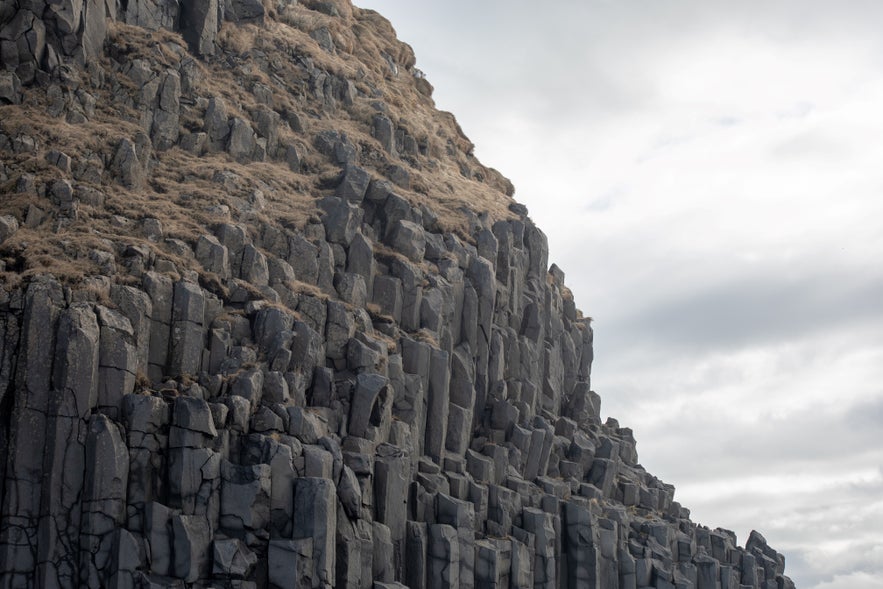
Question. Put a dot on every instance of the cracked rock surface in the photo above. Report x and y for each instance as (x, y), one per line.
(265, 321)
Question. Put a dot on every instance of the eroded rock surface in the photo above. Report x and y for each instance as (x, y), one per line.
(266, 322)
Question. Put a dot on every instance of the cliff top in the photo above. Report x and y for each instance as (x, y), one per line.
(255, 117)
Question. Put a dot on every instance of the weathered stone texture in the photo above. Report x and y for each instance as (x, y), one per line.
(339, 391)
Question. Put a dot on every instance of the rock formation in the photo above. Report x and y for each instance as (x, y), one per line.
(266, 322)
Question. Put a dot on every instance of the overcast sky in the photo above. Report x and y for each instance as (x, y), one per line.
(710, 176)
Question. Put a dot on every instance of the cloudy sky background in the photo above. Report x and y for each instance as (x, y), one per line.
(710, 176)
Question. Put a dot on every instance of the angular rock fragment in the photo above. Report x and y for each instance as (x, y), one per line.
(409, 239)
(245, 496)
(200, 25)
(353, 184)
(231, 558)
(8, 226)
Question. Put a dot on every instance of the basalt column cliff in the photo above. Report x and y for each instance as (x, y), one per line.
(266, 322)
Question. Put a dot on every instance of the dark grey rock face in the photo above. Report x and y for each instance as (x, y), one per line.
(366, 400)
(330, 459)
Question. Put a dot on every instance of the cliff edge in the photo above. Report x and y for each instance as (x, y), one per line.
(265, 321)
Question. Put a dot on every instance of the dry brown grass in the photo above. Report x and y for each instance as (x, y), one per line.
(181, 190)
(427, 337)
(62, 253)
(369, 38)
(298, 287)
(265, 304)
(162, 47)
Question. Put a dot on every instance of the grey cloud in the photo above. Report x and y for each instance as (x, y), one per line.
(868, 415)
(813, 144)
(794, 446)
(754, 310)
(834, 572)
(727, 121)
(809, 443)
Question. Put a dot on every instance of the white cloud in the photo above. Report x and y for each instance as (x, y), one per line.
(853, 581)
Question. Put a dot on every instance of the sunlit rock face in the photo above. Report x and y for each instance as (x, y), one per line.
(266, 322)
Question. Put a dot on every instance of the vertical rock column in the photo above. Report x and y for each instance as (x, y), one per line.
(437, 404)
(159, 288)
(24, 474)
(493, 563)
(417, 551)
(541, 526)
(483, 280)
(315, 516)
(188, 335)
(391, 478)
(416, 358)
(708, 572)
(117, 361)
(444, 557)
(75, 391)
(583, 561)
(104, 499)
(462, 395)
(461, 516)
(194, 472)
(146, 419)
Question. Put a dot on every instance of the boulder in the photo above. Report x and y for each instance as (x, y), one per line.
(353, 184)
(409, 239)
(245, 11)
(242, 140)
(199, 24)
(166, 120)
(10, 88)
(126, 166)
(341, 219)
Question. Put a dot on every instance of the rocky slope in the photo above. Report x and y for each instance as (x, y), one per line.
(266, 322)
